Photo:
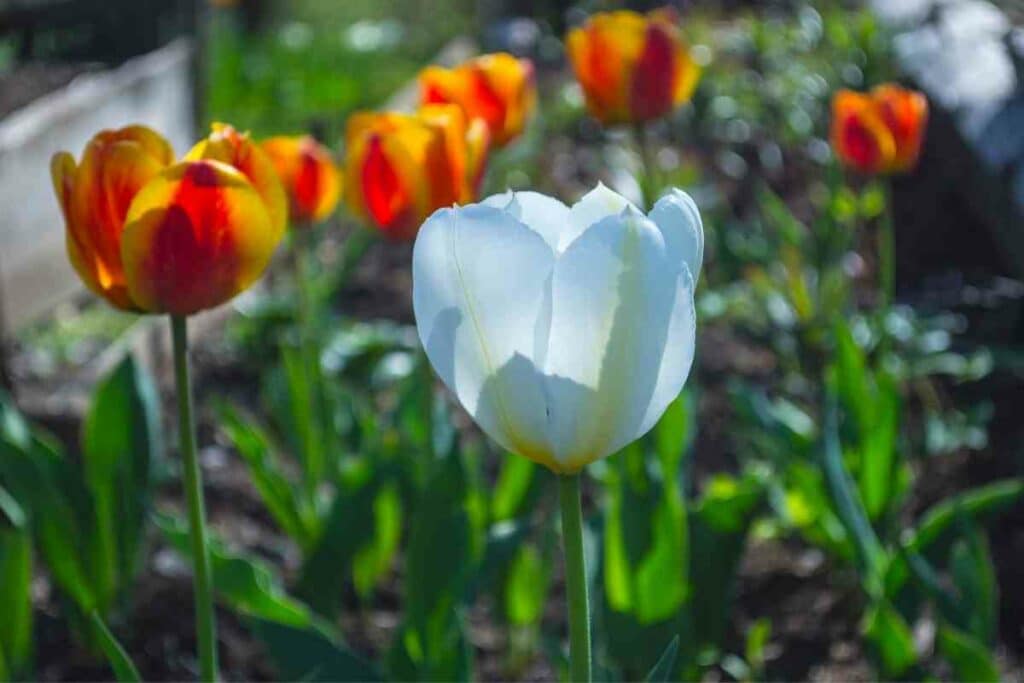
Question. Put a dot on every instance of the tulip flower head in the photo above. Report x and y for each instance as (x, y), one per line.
(880, 131)
(94, 196)
(564, 332)
(401, 167)
(632, 67)
(310, 178)
(154, 236)
(497, 88)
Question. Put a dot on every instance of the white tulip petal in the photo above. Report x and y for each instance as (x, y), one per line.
(593, 207)
(680, 345)
(480, 285)
(545, 215)
(619, 306)
(679, 220)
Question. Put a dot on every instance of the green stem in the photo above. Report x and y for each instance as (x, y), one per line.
(575, 578)
(205, 624)
(646, 165)
(887, 252)
(886, 259)
(302, 251)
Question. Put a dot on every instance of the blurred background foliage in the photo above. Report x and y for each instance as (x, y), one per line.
(283, 68)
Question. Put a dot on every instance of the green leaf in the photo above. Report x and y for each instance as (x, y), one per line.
(373, 560)
(878, 449)
(16, 597)
(935, 533)
(527, 587)
(674, 434)
(848, 504)
(302, 392)
(310, 654)
(853, 378)
(974, 577)
(979, 503)
(50, 489)
(513, 486)
(661, 672)
(439, 554)
(245, 584)
(719, 525)
(661, 575)
(727, 503)
(968, 656)
(618, 582)
(12, 515)
(120, 662)
(285, 504)
(349, 526)
(758, 635)
(121, 440)
(891, 639)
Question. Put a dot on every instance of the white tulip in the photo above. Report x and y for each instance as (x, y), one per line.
(564, 332)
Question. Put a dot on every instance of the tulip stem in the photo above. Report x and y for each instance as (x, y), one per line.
(646, 165)
(205, 625)
(575, 578)
(303, 249)
(887, 254)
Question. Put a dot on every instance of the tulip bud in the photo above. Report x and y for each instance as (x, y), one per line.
(632, 67)
(880, 131)
(310, 178)
(497, 88)
(564, 332)
(401, 167)
(94, 197)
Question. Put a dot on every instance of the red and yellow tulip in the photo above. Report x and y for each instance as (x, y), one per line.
(632, 67)
(880, 131)
(94, 196)
(400, 168)
(154, 236)
(497, 88)
(310, 177)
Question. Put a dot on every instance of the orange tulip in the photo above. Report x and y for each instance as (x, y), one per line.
(94, 197)
(310, 177)
(400, 168)
(880, 131)
(153, 236)
(632, 67)
(497, 88)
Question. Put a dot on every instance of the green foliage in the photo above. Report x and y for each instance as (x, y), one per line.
(433, 643)
(662, 669)
(322, 62)
(311, 654)
(669, 563)
(86, 520)
(16, 589)
(302, 646)
(124, 668)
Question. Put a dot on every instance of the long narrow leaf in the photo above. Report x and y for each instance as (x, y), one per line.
(662, 669)
(120, 662)
(846, 500)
